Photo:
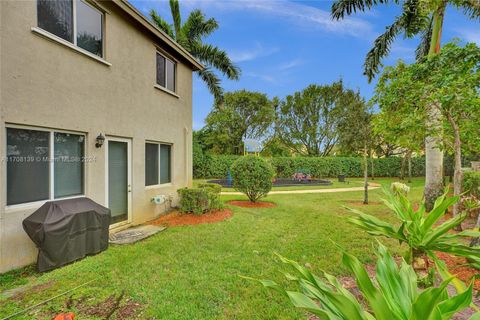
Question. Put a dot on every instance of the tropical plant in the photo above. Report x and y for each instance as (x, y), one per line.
(253, 176)
(191, 35)
(400, 188)
(199, 200)
(419, 230)
(394, 294)
(418, 17)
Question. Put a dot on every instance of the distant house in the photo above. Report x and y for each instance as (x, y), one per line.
(72, 73)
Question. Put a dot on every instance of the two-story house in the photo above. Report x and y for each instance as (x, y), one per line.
(95, 101)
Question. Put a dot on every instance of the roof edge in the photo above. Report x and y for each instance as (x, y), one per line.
(138, 16)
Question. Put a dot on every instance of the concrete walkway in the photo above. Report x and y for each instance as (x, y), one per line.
(372, 186)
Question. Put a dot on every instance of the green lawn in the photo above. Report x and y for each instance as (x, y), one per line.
(351, 182)
(193, 272)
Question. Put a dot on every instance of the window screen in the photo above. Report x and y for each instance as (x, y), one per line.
(89, 28)
(165, 165)
(170, 75)
(27, 165)
(56, 17)
(160, 70)
(68, 165)
(151, 164)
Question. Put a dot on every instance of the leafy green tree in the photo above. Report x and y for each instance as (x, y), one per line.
(242, 115)
(307, 121)
(450, 79)
(355, 132)
(191, 36)
(424, 18)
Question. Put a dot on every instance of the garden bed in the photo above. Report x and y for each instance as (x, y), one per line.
(249, 204)
(177, 218)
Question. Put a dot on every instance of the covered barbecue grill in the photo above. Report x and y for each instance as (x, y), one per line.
(67, 230)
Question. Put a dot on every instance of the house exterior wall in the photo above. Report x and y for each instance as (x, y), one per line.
(49, 85)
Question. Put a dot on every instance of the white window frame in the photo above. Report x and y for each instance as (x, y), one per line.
(51, 168)
(159, 184)
(74, 17)
(175, 63)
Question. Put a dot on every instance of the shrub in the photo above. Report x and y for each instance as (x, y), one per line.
(394, 294)
(198, 200)
(213, 187)
(253, 176)
(471, 183)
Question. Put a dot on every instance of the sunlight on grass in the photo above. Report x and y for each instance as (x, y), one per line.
(193, 272)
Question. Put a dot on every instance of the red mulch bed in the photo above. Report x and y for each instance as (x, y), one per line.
(177, 218)
(459, 267)
(249, 204)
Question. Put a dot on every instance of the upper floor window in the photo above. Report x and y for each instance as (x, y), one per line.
(166, 69)
(75, 21)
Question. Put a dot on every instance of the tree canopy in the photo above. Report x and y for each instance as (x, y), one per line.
(308, 121)
(242, 115)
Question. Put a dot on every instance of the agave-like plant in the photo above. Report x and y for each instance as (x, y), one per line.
(420, 230)
(394, 294)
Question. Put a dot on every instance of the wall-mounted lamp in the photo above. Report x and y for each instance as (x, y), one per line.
(99, 140)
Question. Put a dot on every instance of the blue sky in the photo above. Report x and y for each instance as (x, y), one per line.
(283, 46)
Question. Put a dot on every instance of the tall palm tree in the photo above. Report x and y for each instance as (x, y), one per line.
(418, 17)
(190, 36)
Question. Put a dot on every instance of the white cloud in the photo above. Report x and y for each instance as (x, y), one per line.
(249, 54)
(297, 13)
(263, 77)
(469, 35)
(290, 64)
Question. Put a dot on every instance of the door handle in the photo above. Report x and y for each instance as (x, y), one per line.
(129, 188)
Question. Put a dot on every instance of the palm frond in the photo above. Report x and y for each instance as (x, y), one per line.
(215, 57)
(381, 48)
(415, 18)
(471, 8)
(340, 8)
(177, 21)
(162, 24)
(197, 26)
(213, 83)
(425, 39)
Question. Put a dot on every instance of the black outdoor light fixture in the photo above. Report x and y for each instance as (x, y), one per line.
(99, 140)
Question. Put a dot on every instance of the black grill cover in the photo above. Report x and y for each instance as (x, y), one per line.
(67, 230)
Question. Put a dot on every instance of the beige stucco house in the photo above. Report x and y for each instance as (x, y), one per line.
(72, 73)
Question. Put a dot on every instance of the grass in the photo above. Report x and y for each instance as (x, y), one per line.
(351, 182)
(193, 272)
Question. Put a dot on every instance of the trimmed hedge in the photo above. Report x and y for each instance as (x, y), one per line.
(217, 166)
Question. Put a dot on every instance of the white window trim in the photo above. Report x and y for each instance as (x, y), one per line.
(51, 192)
(166, 184)
(73, 45)
(175, 73)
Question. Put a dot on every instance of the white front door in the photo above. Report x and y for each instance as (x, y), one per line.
(118, 179)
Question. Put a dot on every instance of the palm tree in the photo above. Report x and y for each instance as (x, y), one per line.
(418, 17)
(190, 36)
